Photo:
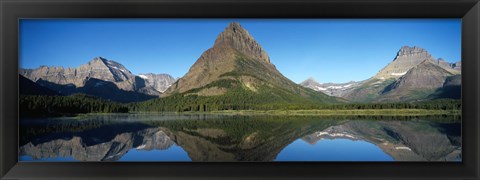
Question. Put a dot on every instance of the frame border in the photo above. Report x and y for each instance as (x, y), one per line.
(12, 10)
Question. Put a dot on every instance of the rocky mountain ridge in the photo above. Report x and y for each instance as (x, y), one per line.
(413, 75)
(409, 57)
(97, 76)
(240, 39)
(161, 82)
(237, 61)
(332, 89)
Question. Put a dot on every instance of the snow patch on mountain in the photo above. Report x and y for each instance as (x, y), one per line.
(399, 74)
(332, 89)
(143, 76)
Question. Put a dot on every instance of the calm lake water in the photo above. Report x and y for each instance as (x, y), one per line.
(208, 137)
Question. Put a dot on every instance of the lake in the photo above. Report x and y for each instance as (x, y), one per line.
(173, 137)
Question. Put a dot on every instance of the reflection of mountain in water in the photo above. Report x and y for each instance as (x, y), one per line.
(402, 140)
(238, 138)
(102, 146)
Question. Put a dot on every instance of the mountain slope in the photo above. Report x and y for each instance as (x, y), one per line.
(28, 87)
(452, 88)
(99, 77)
(238, 61)
(98, 68)
(237, 66)
(394, 83)
(233, 45)
(161, 82)
(98, 88)
(409, 57)
(419, 82)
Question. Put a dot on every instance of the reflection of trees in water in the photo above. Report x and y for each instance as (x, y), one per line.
(231, 138)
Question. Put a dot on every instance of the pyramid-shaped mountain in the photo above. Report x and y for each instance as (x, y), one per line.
(419, 82)
(413, 75)
(237, 66)
(409, 57)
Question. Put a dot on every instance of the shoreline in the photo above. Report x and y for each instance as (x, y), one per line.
(310, 112)
(324, 112)
(344, 112)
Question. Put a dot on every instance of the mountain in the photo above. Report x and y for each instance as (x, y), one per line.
(402, 140)
(236, 138)
(99, 77)
(161, 82)
(28, 87)
(332, 89)
(413, 75)
(237, 65)
(452, 88)
(419, 82)
(98, 68)
(409, 57)
(83, 147)
(454, 68)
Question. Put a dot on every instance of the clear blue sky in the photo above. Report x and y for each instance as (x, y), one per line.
(329, 50)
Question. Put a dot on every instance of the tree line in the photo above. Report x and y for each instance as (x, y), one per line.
(179, 103)
(41, 105)
(38, 105)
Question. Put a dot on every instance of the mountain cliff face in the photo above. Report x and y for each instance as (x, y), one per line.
(454, 68)
(238, 38)
(407, 58)
(99, 77)
(98, 68)
(237, 62)
(160, 82)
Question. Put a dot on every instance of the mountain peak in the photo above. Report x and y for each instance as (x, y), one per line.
(237, 37)
(235, 25)
(407, 50)
(97, 61)
(310, 80)
(407, 58)
(99, 58)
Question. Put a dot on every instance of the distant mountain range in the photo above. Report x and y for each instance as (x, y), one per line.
(332, 89)
(413, 75)
(237, 70)
(102, 78)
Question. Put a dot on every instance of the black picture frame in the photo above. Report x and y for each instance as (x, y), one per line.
(12, 10)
